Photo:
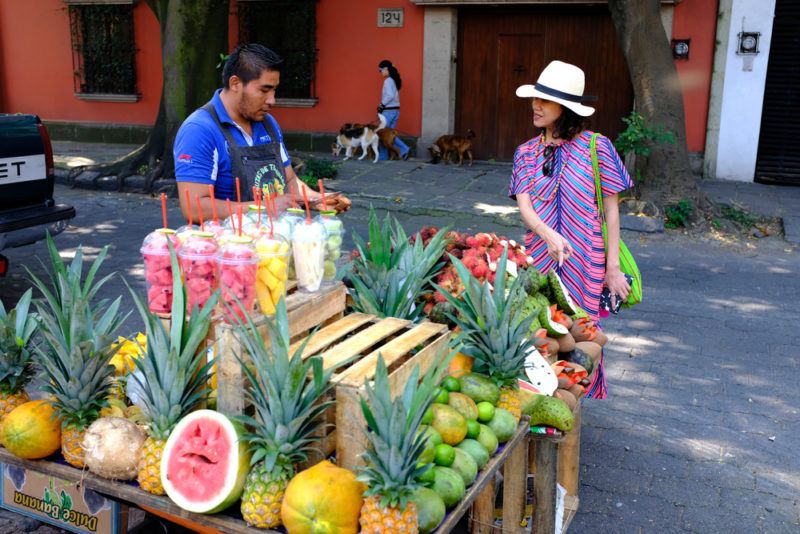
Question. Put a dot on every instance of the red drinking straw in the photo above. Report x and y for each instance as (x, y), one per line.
(322, 192)
(164, 208)
(240, 220)
(258, 205)
(199, 211)
(230, 213)
(294, 202)
(238, 191)
(273, 195)
(308, 211)
(189, 207)
(213, 202)
(269, 214)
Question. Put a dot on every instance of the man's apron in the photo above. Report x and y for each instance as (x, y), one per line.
(259, 166)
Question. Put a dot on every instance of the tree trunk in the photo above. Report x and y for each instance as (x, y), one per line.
(193, 35)
(657, 89)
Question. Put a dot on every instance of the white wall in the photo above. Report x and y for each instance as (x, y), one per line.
(742, 91)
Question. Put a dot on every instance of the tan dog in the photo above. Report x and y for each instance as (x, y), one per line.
(448, 145)
(387, 136)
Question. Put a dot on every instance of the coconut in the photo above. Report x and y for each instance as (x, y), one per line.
(566, 343)
(591, 348)
(112, 447)
(567, 397)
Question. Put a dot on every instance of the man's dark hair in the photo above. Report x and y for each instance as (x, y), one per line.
(569, 124)
(248, 61)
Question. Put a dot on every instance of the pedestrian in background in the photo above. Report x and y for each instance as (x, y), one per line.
(390, 105)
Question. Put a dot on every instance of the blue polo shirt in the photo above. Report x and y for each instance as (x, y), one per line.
(201, 151)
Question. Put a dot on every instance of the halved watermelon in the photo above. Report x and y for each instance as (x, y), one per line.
(205, 462)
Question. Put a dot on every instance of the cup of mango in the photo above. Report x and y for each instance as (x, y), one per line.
(273, 270)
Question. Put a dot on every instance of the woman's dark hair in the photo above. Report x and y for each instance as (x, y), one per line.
(248, 61)
(569, 124)
(393, 72)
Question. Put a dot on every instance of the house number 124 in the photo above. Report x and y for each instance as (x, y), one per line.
(390, 17)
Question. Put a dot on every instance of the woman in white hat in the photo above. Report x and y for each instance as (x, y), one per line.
(553, 184)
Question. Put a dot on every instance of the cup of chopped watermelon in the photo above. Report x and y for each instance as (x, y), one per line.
(238, 262)
(158, 268)
(198, 261)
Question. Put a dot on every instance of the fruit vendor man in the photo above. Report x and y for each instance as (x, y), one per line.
(234, 135)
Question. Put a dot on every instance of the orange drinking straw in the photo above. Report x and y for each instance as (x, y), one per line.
(164, 208)
(240, 220)
(230, 213)
(199, 211)
(273, 195)
(308, 211)
(189, 207)
(322, 192)
(258, 205)
(238, 191)
(294, 202)
(213, 202)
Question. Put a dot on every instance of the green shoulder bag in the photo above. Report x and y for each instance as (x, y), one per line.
(626, 262)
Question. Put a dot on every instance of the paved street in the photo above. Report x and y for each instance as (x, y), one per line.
(699, 433)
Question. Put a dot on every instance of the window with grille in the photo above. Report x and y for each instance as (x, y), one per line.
(103, 50)
(289, 27)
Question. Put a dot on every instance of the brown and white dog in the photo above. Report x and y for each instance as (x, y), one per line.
(448, 145)
(354, 136)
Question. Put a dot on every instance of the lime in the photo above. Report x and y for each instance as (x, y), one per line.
(473, 428)
(445, 455)
(451, 384)
(485, 411)
(443, 397)
(427, 416)
(427, 477)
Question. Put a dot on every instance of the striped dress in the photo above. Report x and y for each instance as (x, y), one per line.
(566, 202)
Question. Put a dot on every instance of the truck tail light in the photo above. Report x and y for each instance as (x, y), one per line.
(48, 149)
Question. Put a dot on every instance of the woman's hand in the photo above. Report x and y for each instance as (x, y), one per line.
(617, 285)
(557, 246)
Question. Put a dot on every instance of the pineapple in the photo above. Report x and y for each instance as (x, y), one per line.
(286, 393)
(494, 331)
(391, 471)
(16, 363)
(78, 344)
(172, 374)
(389, 274)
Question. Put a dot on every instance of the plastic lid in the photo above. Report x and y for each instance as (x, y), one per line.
(255, 207)
(241, 239)
(200, 233)
(314, 231)
(328, 213)
(296, 211)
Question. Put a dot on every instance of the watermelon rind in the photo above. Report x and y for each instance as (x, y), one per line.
(233, 485)
(553, 328)
(561, 293)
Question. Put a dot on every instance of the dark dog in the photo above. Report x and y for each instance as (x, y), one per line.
(448, 145)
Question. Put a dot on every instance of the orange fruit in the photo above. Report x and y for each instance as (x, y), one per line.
(31, 430)
(323, 498)
(460, 365)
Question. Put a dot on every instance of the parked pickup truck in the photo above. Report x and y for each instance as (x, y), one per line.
(27, 208)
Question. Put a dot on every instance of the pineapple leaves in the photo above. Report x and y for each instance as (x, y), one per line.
(389, 274)
(392, 430)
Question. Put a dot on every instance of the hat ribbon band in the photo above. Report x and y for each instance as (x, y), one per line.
(558, 94)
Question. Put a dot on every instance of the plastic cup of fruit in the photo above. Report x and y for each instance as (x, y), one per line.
(198, 260)
(273, 271)
(158, 269)
(238, 262)
(184, 231)
(292, 217)
(308, 249)
(215, 228)
(334, 229)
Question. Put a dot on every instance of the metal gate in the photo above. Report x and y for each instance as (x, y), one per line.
(778, 155)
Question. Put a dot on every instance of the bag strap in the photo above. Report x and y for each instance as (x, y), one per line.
(598, 188)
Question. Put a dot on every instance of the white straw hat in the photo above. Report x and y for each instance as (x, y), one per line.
(562, 83)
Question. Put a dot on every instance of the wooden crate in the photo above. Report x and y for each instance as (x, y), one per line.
(305, 310)
(403, 345)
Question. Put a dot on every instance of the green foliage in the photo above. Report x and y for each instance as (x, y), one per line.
(738, 215)
(222, 59)
(639, 137)
(317, 169)
(678, 214)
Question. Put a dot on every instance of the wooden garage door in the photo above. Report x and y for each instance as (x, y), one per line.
(501, 49)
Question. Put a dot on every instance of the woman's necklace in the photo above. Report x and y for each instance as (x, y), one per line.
(542, 150)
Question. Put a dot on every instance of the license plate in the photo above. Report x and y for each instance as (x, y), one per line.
(22, 169)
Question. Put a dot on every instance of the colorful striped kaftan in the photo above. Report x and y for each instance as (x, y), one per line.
(566, 202)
